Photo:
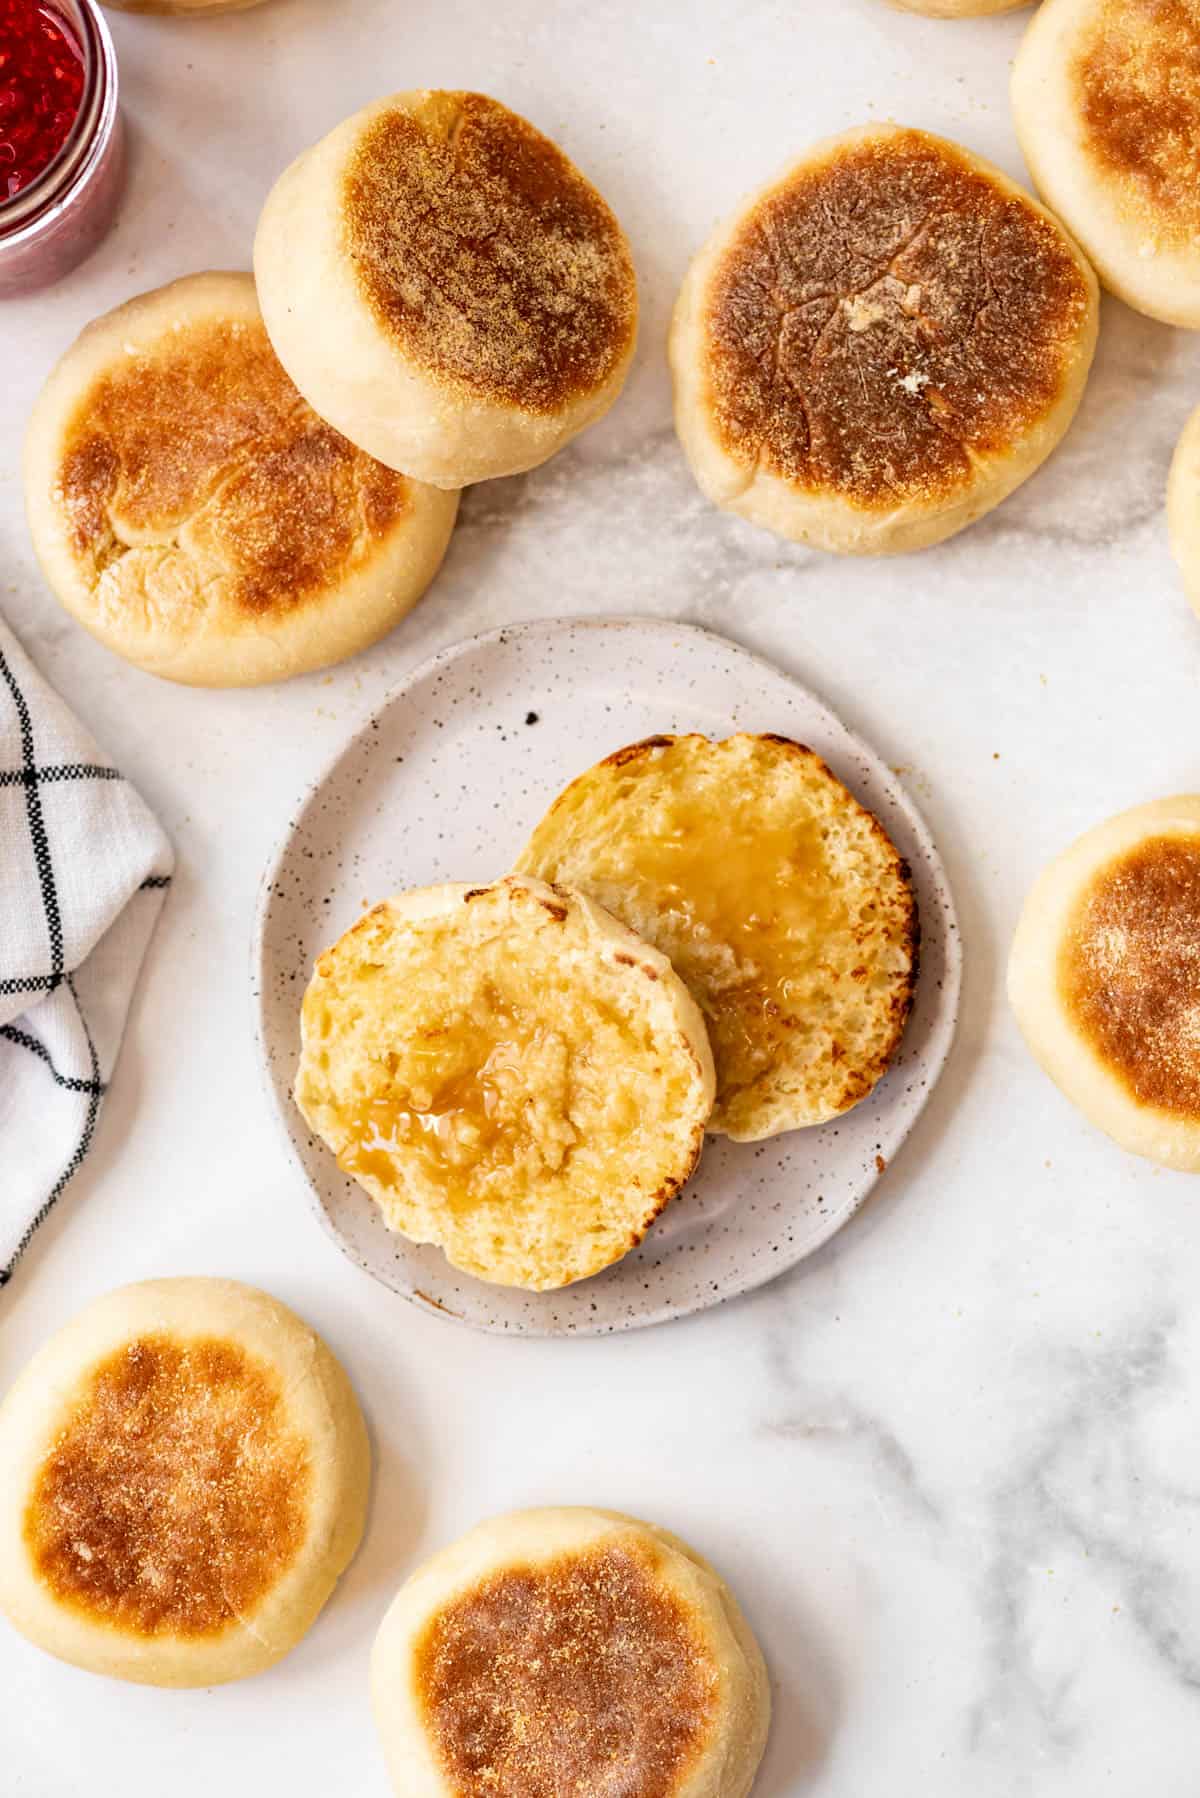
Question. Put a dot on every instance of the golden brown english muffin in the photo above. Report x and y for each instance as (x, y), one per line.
(443, 284)
(185, 1478)
(1104, 977)
(196, 515)
(957, 9)
(1106, 101)
(569, 1651)
(880, 346)
(510, 1073)
(780, 901)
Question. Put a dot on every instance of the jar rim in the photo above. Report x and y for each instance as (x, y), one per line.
(91, 37)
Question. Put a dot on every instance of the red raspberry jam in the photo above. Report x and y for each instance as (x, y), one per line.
(61, 159)
(41, 90)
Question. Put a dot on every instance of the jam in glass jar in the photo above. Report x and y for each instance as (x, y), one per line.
(61, 147)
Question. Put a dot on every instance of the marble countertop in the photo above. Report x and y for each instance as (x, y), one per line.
(949, 1465)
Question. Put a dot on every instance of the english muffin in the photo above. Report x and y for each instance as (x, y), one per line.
(185, 1478)
(1104, 977)
(569, 1651)
(510, 1073)
(446, 287)
(196, 515)
(779, 900)
(957, 9)
(880, 346)
(1106, 100)
(1183, 508)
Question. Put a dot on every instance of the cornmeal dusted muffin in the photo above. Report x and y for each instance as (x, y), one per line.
(881, 345)
(1104, 977)
(197, 516)
(569, 1651)
(443, 284)
(185, 1477)
(1106, 101)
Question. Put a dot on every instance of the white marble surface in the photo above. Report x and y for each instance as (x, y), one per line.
(951, 1465)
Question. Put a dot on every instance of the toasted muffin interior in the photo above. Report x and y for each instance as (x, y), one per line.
(195, 481)
(486, 255)
(585, 1673)
(174, 1493)
(1129, 971)
(507, 1079)
(883, 318)
(776, 896)
(1136, 73)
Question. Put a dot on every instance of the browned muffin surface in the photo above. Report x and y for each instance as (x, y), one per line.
(175, 1493)
(1129, 971)
(884, 318)
(582, 1674)
(486, 254)
(1137, 74)
(201, 454)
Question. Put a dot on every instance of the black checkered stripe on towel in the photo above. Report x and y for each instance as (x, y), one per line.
(33, 778)
(95, 1089)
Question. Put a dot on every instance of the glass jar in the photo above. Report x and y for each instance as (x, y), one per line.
(62, 214)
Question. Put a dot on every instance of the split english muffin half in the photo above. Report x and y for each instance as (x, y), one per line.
(881, 345)
(510, 1073)
(195, 514)
(1104, 978)
(569, 1650)
(778, 899)
(185, 1478)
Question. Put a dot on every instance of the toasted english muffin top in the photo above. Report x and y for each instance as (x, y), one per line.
(174, 1494)
(1136, 74)
(884, 316)
(485, 254)
(1129, 971)
(189, 462)
(582, 1673)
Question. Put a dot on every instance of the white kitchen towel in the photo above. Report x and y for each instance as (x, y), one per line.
(83, 871)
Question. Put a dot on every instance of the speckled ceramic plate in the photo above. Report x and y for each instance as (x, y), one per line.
(445, 783)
